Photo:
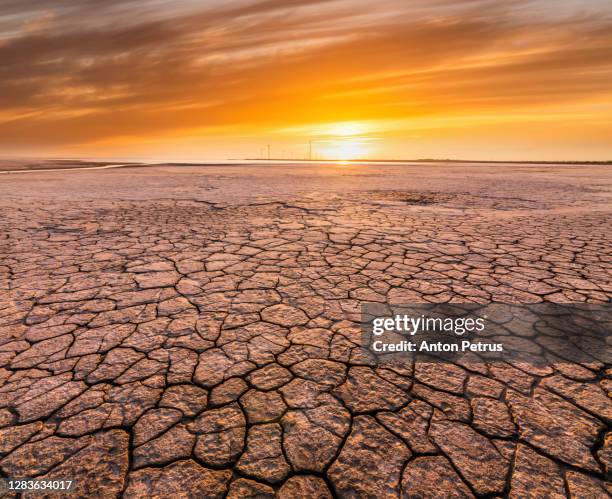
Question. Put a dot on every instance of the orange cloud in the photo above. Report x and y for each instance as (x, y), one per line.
(427, 71)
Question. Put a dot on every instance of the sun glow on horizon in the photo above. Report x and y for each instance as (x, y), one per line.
(343, 149)
(341, 141)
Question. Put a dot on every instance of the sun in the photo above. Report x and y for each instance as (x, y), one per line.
(345, 149)
(344, 141)
(338, 140)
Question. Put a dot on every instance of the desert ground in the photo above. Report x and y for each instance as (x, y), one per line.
(193, 331)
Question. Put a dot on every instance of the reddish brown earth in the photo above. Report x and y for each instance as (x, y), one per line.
(193, 331)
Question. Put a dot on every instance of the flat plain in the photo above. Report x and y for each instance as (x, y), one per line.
(193, 331)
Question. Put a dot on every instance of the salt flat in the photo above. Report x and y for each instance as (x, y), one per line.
(196, 329)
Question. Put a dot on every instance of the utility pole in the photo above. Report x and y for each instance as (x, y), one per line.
(310, 150)
(268, 152)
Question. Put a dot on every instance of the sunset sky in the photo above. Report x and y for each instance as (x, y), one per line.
(216, 79)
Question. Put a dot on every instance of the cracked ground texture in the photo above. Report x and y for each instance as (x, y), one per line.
(194, 331)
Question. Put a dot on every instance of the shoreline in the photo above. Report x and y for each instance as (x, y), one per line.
(78, 165)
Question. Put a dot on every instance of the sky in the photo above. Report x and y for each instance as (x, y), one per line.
(330, 79)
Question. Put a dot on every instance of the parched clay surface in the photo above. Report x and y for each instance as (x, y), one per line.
(194, 331)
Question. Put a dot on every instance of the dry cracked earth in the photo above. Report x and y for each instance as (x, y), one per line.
(194, 331)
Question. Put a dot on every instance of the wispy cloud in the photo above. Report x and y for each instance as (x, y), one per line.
(83, 71)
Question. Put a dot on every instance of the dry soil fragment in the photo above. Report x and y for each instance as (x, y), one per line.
(220, 435)
(188, 399)
(249, 489)
(263, 458)
(313, 436)
(181, 479)
(284, 315)
(370, 463)
(474, 456)
(535, 476)
(270, 377)
(99, 470)
(262, 407)
(551, 431)
(432, 477)
(364, 391)
(304, 486)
